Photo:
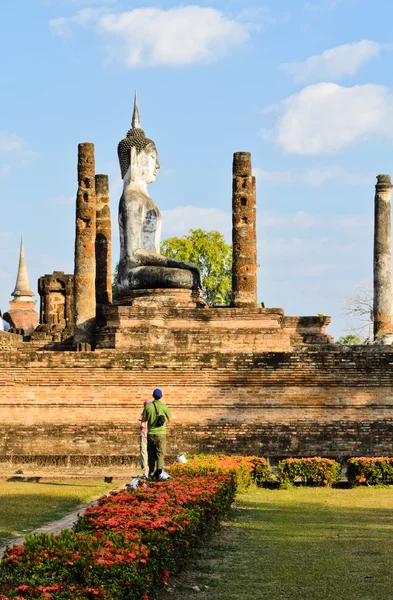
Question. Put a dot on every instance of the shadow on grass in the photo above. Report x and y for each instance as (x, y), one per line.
(291, 548)
(312, 513)
(37, 480)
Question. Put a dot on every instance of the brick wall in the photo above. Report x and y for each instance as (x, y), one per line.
(327, 400)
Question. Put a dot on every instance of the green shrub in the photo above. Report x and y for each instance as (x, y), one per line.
(315, 471)
(370, 471)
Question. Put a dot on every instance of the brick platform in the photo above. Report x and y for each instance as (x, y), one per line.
(322, 400)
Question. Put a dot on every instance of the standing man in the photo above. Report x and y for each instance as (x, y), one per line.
(156, 414)
(143, 443)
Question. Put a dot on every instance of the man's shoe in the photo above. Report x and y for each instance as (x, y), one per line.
(133, 484)
(161, 475)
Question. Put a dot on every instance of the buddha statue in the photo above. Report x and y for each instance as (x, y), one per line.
(141, 266)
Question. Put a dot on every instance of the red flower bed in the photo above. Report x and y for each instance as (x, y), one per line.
(132, 540)
(122, 548)
(375, 470)
(245, 469)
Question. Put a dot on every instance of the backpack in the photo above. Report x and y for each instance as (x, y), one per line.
(160, 420)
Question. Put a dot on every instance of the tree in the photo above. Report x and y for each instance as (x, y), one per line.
(359, 306)
(209, 251)
(350, 340)
(115, 289)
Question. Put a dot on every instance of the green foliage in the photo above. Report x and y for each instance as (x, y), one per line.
(311, 471)
(370, 471)
(115, 289)
(209, 251)
(350, 340)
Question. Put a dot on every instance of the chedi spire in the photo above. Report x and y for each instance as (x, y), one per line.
(136, 120)
(22, 291)
(22, 314)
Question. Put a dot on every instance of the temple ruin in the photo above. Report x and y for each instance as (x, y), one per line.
(238, 379)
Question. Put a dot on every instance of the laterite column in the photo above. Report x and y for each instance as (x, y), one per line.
(85, 258)
(244, 239)
(103, 244)
(383, 289)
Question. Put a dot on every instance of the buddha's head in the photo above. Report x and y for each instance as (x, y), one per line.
(146, 161)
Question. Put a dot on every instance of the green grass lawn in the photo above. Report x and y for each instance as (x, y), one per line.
(299, 544)
(24, 506)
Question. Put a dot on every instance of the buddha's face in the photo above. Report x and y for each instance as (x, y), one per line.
(147, 164)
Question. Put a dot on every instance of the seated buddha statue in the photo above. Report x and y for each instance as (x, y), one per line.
(141, 266)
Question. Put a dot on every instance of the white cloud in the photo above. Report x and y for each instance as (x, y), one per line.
(323, 5)
(178, 221)
(62, 26)
(177, 36)
(10, 143)
(335, 63)
(300, 221)
(5, 170)
(314, 177)
(325, 117)
(92, 2)
(152, 36)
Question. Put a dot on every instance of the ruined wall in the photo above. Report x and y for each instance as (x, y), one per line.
(330, 401)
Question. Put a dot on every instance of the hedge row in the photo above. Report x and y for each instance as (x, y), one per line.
(370, 471)
(311, 471)
(129, 543)
(122, 548)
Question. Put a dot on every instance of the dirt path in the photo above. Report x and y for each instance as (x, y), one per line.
(55, 527)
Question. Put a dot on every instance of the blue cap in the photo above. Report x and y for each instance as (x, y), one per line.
(157, 393)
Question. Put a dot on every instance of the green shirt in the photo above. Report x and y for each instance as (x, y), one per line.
(150, 414)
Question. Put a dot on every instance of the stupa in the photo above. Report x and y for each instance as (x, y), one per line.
(22, 313)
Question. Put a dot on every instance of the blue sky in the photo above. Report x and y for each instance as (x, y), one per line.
(305, 86)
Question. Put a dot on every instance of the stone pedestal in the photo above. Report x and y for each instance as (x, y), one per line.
(146, 326)
(161, 297)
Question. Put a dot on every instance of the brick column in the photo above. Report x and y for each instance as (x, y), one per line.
(244, 240)
(383, 289)
(85, 236)
(103, 245)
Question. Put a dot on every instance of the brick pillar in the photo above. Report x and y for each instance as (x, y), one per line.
(244, 240)
(103, 242)
(383, 289)
(85, 236)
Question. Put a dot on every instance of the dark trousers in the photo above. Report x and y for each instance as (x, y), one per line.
(156, 447)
